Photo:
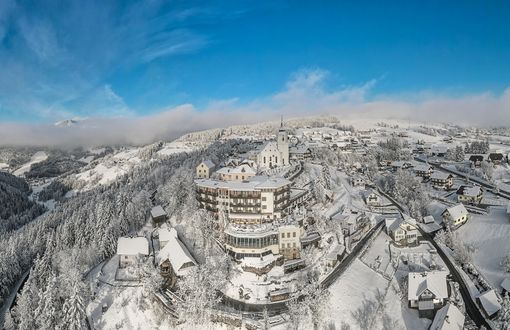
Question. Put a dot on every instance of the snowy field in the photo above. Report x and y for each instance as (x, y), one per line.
(362, 296)
(370, 287)
(489, 236)
(36, 158)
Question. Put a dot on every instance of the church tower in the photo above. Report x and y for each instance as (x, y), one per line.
(283, 144)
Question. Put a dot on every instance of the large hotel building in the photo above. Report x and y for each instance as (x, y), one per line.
(254, 208)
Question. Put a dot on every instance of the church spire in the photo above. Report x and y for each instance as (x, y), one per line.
(281, 123)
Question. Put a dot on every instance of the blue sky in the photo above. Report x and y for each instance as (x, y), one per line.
(65, 59)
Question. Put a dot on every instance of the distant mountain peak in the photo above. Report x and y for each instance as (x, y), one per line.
(67, 123)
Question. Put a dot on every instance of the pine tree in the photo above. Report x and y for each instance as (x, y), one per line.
(28, 300)
(49, 310)
(73, 310)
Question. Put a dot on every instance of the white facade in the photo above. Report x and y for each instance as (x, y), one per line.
(205, 169)
(289, 241)
(131, 250)
(275, 153)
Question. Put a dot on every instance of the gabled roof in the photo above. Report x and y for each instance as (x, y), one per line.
(456, 211)
(158, 211)
(496, 156)
(177, 253)
(438, 175)
(301, 149)
(476, 158)
(423, 167)
(132, 246)
(208, 163)
(448, 318)
(506, 284)
(434, 282)
(471, 191)
(490, 302)
(240, 169)
(164, 234)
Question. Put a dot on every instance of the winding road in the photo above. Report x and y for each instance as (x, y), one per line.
(471, 307)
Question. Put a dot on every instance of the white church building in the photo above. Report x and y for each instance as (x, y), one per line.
(275, 153)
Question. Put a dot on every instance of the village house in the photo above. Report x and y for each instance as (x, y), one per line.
(439, 150)
(476, 160)
(348, 220)
(289, 241)
(402, 231)
(205, 169)
(470, 194)
(174, 259)
(448, 318)
(490, 303)
(131, 250)
(427, 291)
(495, 158)
(371, 198)
(441, 180)
(401, 165)
(158, 214)
(301, 152)
(335, 255)
(455, 215)
(240, 172)
(357, 181)
(424, 170)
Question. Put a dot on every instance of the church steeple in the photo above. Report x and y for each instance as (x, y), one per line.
(281, 123)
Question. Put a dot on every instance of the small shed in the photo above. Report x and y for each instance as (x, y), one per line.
(279, 294)
(158, 214)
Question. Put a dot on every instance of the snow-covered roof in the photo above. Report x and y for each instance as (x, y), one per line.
(472, 191)
(506, 284)
(428, 219)
(489, 301)
(434, 282)
(448, 318)
(439, 149)
(241, 169)
(253, 183)
(391, 223)
(164, 234)
(208, 163)
(438, 175)
(457, 211)
(157, 211)
(132, 246)
(177, 253)
(422, 167)
(301, 149)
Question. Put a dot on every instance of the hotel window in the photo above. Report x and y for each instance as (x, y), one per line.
(294, 234)
(283, 235)
(288, 235)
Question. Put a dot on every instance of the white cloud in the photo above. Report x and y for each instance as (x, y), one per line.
(303, 95)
